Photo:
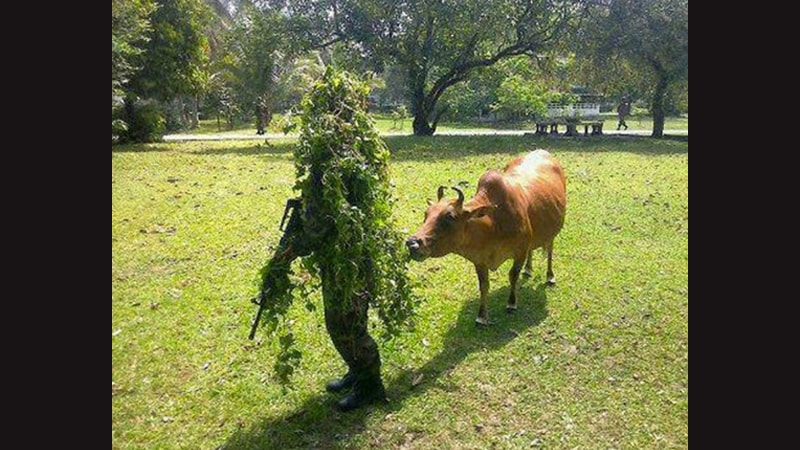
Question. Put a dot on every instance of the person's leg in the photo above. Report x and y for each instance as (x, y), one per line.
(347, 326)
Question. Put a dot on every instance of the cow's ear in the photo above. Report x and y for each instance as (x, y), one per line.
(480, 211)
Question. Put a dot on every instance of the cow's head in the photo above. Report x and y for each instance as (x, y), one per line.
(444, 229)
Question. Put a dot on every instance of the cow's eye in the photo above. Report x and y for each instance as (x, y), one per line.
(449, 217)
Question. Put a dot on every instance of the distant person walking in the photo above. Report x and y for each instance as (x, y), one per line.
(623, 110)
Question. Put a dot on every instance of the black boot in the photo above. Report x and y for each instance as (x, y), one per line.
(346, 382)
(365, 392)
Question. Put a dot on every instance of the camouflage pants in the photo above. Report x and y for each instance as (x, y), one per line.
(347, 327)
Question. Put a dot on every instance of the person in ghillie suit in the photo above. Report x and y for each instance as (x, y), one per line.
(347, 236)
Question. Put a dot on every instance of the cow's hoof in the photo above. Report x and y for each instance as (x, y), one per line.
(511, 309)
(527, 274)
(482, 322)
(551, 281)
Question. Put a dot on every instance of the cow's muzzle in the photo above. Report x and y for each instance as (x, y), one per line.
(414, 245)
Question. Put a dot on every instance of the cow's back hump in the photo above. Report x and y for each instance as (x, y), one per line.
(540, 176)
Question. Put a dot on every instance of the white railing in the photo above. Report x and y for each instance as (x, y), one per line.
(575, 110)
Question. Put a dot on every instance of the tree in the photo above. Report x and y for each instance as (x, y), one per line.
(263, 67)
(130, 31)
(438, 43)
(475, 97)
(527, 87)
(640, 47)
(256, 46)
(175, 58)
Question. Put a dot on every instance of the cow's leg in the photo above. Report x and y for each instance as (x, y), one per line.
(483, 283)
(551, 278)
(528, 265)
(513, 277)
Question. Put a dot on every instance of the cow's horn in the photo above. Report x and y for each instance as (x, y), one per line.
(460, 194)
(440, 192)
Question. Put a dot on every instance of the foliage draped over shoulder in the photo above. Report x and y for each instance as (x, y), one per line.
(343, 174)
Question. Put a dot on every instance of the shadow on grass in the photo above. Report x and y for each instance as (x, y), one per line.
(316, 424)
(413, 148)
(210, 148)
(283, 148)
(139, 148)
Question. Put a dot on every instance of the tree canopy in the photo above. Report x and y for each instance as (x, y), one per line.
(130, 32)
(639, 48)
(248, 59)
(177, 51)
(257, 50)
(438, 43)
(159, 51)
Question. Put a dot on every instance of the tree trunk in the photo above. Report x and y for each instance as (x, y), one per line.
(129, 108)
(658, 106)
(179, 104)
(421, 126)
(416, 76)
(423, 103)
(419, 107)
(260, 125)
(263, 116)
(193, 106)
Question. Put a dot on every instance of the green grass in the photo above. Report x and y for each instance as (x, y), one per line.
(598, 361)
(211, 126)
(644, 122)
(384, 123)
(637, 122)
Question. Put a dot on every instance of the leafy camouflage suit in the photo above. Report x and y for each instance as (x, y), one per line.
(347, 328)
(346, 313)
(342, 174)
(345, 230)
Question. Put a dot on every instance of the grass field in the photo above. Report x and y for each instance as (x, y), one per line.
(598, 361)
(384, 123)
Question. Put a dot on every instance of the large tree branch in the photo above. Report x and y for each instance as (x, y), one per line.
(459, 72)
(525, 43)
(328, 43)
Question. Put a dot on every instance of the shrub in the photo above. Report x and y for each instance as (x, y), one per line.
(139, 121)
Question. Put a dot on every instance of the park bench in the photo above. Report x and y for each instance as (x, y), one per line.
(572, 128)
(551, 127)
(597, 128)
(542, 127)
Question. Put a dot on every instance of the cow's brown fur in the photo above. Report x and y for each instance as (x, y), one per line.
(512, 213)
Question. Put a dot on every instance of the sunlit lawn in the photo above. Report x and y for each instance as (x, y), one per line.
(386, 124)
(599, 361)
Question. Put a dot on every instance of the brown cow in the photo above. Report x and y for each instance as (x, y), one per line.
(513, 213)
